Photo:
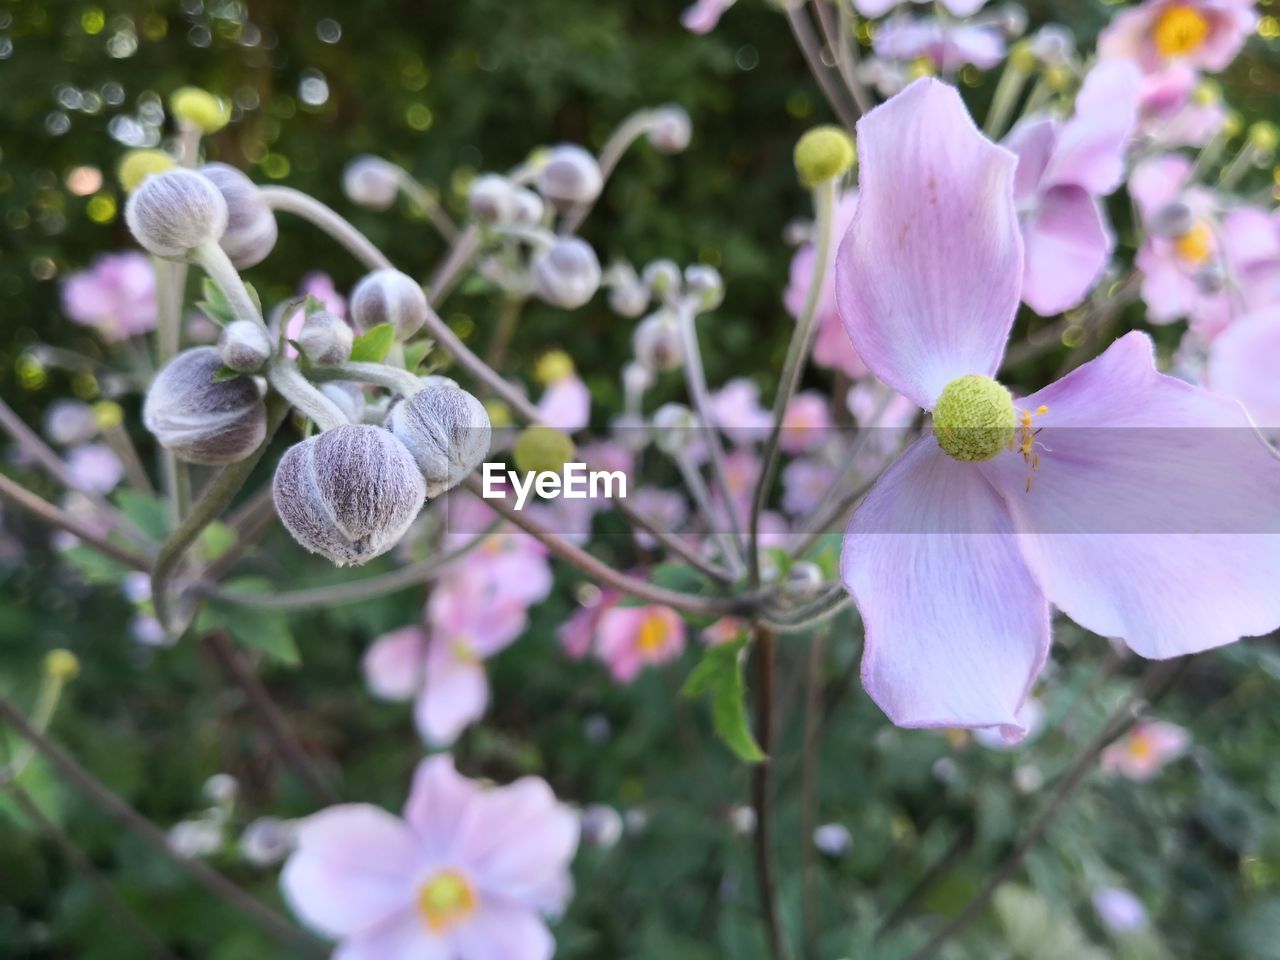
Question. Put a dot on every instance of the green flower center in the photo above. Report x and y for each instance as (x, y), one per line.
(974, 419)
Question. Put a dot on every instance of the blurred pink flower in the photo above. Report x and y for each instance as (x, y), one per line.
(1242, 364)
(948, 46)
(1120, 911)
(565, 404)
(468, 873)
(116, 295)
(1204, 34)
(806, 424)
(703, 16)
(737, 411)
(319, 285)
(628, 639)
(724, 630)
(1172, 113)
(668, 509)
(804, 483)
(1145, 750)
(95, 467)
(577, 635)
(957, 8)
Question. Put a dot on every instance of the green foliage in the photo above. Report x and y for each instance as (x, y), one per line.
(373, 345)
(718, 677)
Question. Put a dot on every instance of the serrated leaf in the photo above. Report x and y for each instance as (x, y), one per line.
(265, 630)
(373, 345)
(718, 676)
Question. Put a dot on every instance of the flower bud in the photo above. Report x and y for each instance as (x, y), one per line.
(657, 342)
(629, 299)
(1012, 20)
(804, 579)
(371, 182)
(200, 108)
(705, 283)
(389, 296)
(244, 346)
(675, 428)
(348, 494)
(530, 207)
(670, 130)
(70, 422)
(1172, 220)
(662, 277)
(542, 449)
(136, 165)
(61, 664)
(348, 398)
(567, 273)
(251, 226)
(636, 378)
(823, 154)
(569, 176)
(552, 366)
(325, 340)
(200, 419)
(173, 212)
(493, 199)
(446, 430)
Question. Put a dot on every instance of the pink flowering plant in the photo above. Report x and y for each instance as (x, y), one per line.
(478, 572)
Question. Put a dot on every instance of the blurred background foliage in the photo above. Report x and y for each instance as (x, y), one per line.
(447, 90)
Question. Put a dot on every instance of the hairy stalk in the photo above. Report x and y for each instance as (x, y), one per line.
(450, 272)
(1010, 86)
(289, 200)
(508, 319)
(1247, 159)
(697, 488)
(764, 653)
(628, 132)
(11, 492)
(806, 616)
(379, 374)
(171, 281)
(214, 261)
(285, 377)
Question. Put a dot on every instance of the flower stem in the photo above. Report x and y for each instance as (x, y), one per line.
(17, 495)
(380, 374)
(285, 377)
(764, 653)
(289, 200)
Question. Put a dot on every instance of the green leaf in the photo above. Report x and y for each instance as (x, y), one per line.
(265, 630)
(93, 566)
(215, 540)
(415, 353)
(224, 373)
(718, 676)
(215, 305)
(373, 345)
(149, 513)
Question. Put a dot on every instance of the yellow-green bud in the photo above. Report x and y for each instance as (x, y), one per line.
(552, 366)
(108, 414)
(1264, 136)
(1232, 124)
(136, 165)
(542, 449)
(974, 419)
(1022, 58)
(823, 154)
(1207, 93)
(921, 67)
(1058, 78)
(61, 665)
(499, 413)
(201, 108)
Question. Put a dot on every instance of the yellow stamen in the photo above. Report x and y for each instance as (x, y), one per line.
(653, 633)
(1196, 245)
(1180, 31)
(446, 900)
(1024, 440)
(1140, 747)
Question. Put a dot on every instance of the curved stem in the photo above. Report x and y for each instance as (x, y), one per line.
(802, 30)
(628, 132)
(214, 261)
(19, 496)
(430, 206)
(380, 374)
(289, 382)
(450, 272)
(289, 200)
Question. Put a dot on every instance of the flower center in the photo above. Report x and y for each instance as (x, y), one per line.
(1180, 31)
(1140, 747)
(653, 634)
(974, 418)
(1196, 245)
(446, 900)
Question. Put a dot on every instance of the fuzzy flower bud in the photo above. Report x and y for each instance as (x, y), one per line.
(251, 226)
(493, 199)
(173, 212)
(675, 428)
(569, 176)
(823, 154)
(662, 277)
(200, 108)
(136, 165)
(530, 208)
(371, 182)
(203, 420)
(389, 296)
(542, 449)
(567, 273)
(629, 299)
(705, 283)
(244, 346)
(446, 430)
(657, 342)
(671, 130)
(325, 340)
(348, 494)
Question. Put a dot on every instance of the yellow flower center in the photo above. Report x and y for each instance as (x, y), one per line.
(653, 633)
(1196, 245)
(974, 418)
(446, 900)
(1180, 31)
(464, 650)
(1140, 747)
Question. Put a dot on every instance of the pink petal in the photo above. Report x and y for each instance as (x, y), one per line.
(1151, 516)
(403, 937)
(354, 867)
(956, 628)
(1067, 245)
(454, 695)
(504, 931)
(928, 277)
(437, 803)
(1033, 142)
(1243, 362)
(393, 664)
(565, 404)
(1091, 145)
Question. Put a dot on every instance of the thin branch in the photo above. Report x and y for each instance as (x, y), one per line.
(802, 29)
(11, 492)
(810, 766)
(764, 653)
(289, 200)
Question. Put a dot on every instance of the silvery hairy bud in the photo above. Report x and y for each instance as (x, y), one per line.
(636, 378)
(657, 342)
(567, 273)
(493, 199)
(174, 212)
(371, 182)
(244, 346)
(675, 428)
(531, 208)
(628, 296)
(705, 283)
(200, 419)
(251, 226)
(663, 278)
(389, 296)
(347, 397)
(569, 176)
(1172, 220)
(348, 494)
(446, 430)
(670, 130)
(1053, 44)
(1012, 20)
(324, 339)
(803, 579)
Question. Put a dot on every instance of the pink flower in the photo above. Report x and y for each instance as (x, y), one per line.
(724, 630)
(1063, 170)
(1145, 518)
(1205, 34)
(1242, 364)
(1145, 750)
(117, 296)
(805, 481)
(948, 46)
(467, 873)
(831, 348)
(628, 639)
(577, 635)
(737, 411)
(806, 424)
(957, 8)
(1174, 113)
(666, 508)
(565, 404)
(703, 16)
(95, 467)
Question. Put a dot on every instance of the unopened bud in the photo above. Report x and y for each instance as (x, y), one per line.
(494, 200)
(567, 273)
(349, 493)
(823, 154)
(324, 339)
(446, 430)
(389, 296)
(662, 277)
(371, 182)
(542, 449)
(530, 208)
(244, 346)
(61, 665)
(174, 212)
(136, 165)
(705, 283)
(251, 226)
(636, 378)
(670, 130)
(569, 176)
(629, 299)
(1012, 20)
(675, 428)
(657, 342)
(203, 420)
(803, 579)
(200, 108)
